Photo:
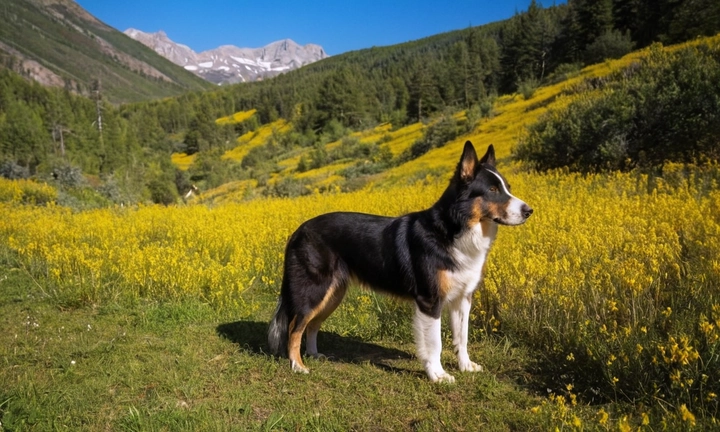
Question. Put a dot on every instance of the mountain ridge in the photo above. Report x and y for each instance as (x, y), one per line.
(58, 43)
(230, 64)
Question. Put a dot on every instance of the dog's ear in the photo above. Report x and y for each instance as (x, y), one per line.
(468, 162)
(489, 157)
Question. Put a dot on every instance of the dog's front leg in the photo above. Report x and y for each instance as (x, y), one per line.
(429, 346)
(459, 322)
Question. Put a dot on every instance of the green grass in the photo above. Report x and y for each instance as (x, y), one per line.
(185, 366)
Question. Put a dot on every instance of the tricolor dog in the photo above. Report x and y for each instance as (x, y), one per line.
(433, 257)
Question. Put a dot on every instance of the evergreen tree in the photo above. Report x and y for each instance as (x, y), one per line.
(627, 17)
(594, 18)
(463, 75)
(527, 41)
(23, 138)
(693, 18)
(424, 97)
(341, 97)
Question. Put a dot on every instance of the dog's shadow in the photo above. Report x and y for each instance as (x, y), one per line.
(251, 336)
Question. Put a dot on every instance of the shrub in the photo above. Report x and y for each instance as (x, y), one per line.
(287, 187)
(590, 134)
(437, 134)
(665, 109)
(162, 192)
(563, 72)
(68, 176)
(303, 164)
(319, 156)
(11, 170)
(527, 87)
(610, 45)
(26, 192)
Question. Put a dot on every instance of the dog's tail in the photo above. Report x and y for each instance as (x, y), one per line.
(278, 330)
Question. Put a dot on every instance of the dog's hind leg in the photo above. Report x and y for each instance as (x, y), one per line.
(311, 320)
(316, 280)
(295, 331)
(324, 310)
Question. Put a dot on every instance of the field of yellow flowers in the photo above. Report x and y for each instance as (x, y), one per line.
(614, 278)
(613, 282)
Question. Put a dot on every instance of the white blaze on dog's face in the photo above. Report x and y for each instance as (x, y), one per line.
(514, 211)
(489, 191)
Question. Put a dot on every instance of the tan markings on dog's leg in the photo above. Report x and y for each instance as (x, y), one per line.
(295, 338)
(291, 326)
(294, 341)
(444, 283)
(330, 302)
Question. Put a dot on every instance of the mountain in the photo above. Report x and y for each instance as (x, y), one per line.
(229, 64)
(58, 43)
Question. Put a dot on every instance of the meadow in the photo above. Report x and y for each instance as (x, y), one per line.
(602, 312)
(612, 284)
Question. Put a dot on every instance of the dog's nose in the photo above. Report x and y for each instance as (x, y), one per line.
(526, 211)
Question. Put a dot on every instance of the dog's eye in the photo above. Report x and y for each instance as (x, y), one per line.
(493, 189)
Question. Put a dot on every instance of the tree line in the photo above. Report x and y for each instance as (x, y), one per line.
(42, 129)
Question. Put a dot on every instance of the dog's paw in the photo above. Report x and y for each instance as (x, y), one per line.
(470, 366)
(443, 378)
(438, 375)
(298, 368)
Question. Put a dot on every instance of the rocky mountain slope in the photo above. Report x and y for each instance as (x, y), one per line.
(229, 64)
(58, 43)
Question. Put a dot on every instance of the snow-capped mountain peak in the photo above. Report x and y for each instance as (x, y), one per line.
(229, 64)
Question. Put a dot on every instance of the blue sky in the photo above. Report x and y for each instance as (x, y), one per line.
(336, 25)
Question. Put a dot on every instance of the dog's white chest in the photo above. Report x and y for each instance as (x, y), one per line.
(469, 253)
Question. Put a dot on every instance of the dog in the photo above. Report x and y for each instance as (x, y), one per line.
(433, 257)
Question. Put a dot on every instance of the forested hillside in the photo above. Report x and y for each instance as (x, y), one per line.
(407, 82)
(59, 44)
(448, 82)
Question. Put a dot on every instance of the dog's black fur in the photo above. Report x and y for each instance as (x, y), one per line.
(404, 256)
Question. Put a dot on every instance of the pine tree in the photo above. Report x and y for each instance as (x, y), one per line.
(424, 96)
(341, 97)
(594, 18)
(526, 39)
(693, 18)
(23, 137)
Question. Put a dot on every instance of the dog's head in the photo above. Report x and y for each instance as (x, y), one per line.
(484, 192)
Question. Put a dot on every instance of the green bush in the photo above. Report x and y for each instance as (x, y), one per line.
(437, 134)
(610, 45)
(527, 87)
(287, 187)
(665, 109)
(162, 192)
(563, 72)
